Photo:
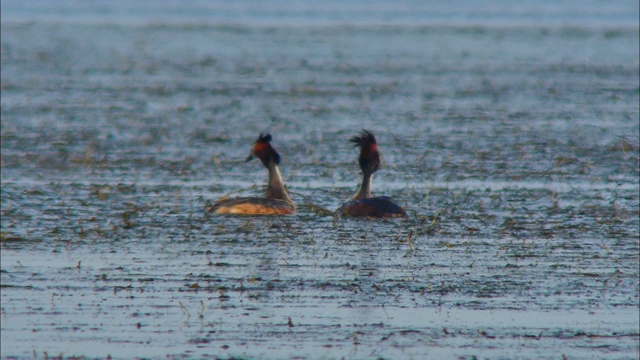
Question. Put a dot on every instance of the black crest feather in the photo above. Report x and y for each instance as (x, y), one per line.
(363, 139)
(264, 138)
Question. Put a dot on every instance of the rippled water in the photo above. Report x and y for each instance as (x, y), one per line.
(509, 133)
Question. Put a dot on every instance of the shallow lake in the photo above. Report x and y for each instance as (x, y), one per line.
(511, 136)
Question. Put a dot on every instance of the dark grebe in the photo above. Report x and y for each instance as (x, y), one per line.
(276, 201)
(362, 204)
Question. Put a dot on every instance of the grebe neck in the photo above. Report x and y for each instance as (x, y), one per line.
(365, 187)
(275, 188)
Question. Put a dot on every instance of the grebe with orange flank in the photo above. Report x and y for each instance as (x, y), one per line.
(363, 204)
(276, 200)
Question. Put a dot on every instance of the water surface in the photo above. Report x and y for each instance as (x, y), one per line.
(509, 132)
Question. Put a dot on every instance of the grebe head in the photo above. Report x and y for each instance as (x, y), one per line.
(263, 150)
(369, 159)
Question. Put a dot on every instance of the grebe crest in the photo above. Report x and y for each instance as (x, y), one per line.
(363, 204)
(263, 150)
(276, 200)
(369, 159)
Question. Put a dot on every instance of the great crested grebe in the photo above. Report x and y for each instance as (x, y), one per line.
(275, 202)
(362, 204)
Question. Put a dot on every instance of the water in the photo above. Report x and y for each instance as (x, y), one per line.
(508, 131)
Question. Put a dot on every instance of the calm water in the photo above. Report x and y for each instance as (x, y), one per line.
(509, 130)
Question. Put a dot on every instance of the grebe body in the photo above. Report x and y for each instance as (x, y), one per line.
(276, 201)
(253, 206)
(363, 204)
(373, 207)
